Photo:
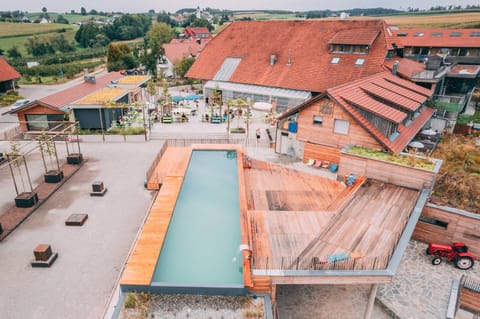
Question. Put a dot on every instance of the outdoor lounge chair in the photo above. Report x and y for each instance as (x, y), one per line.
(310, 162)
(318, 164)
(325, 164)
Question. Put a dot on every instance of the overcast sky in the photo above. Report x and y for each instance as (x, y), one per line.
(172, 6)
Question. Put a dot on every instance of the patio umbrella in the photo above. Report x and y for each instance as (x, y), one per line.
(429, 132)
(192, 97)
(177, 98)
(416, 144)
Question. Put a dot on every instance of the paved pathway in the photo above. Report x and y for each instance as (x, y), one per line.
(421, 290)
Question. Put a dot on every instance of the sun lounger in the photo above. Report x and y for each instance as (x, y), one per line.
(318, 164)
(325, 164)
(338, 257)
(310, 162)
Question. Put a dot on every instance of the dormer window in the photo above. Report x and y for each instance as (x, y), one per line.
(335, 60)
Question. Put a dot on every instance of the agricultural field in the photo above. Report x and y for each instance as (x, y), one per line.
(446, 20)
(12, 34)
(409, 21)
(8, 29)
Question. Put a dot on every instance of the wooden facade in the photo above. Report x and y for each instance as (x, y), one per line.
(320, 152)
(386, 172)
(442, 225)
(36, 109)
(323, 134)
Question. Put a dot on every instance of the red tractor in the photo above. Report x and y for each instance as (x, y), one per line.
(457, 253)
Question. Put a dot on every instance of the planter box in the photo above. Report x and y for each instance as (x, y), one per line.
(74, 158)
(25, 200)
(53, 176)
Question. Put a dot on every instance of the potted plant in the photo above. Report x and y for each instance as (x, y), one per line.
(25, 197)
(53, 173)
(74, 157)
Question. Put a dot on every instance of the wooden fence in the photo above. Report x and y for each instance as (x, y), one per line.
(470, 294)
(317, 263)
(387, 172)
(445, 225)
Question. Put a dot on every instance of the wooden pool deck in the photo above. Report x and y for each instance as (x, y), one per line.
(168, 175)
(290, 220)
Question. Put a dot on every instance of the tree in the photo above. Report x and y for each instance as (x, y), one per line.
(117, 57)
(44, 10)
(87, 34)
(181, 67)
(156, 37)
(61, 19)
(202, 23)
(59, 43)
(165, 18)
(83, 11)
(14, 53)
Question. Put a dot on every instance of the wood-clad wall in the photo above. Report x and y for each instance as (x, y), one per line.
(320, 152)
(385, 172)
(38, 109)
(459, 228)
(470, 300)
(323, 134)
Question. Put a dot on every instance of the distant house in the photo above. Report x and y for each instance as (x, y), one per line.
(178, 49)
(452, 66)
(8, 76)
(94, 103)
(290, 61)
(44, 21)
(381, 112)
(197, 33)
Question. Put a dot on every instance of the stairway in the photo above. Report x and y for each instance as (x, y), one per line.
(261, 284)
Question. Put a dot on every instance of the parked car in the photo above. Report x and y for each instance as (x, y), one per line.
(18, 104)
(456, 253)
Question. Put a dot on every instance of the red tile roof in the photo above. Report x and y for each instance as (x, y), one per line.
(406, 67)
(7, 72)
(178, 49)
(79, 91)
(436, 38)
(353, 95)
(195, 32)
(355, 37)
(303, 43)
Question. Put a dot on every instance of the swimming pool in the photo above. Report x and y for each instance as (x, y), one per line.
(201, 247)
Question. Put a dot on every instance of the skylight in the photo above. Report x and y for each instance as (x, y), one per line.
(335, 60)
(475, 34)
(418, 34)
(436, 34)
(456, 34)
(402, 34)
(360, 61)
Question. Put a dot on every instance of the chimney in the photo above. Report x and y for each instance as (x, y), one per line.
(395, 68)
(273, 58)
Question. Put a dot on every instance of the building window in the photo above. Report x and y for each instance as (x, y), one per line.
(341, 127)
(456, 34)
(317, 120)
(335, 60)
(433, 221)
(475, 34)
(436, 34)
(418, 34)
(360, 61)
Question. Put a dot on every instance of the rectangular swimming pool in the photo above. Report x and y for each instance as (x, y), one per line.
(201, 247)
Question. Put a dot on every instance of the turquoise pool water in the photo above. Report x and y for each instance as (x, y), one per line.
(201, 247)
